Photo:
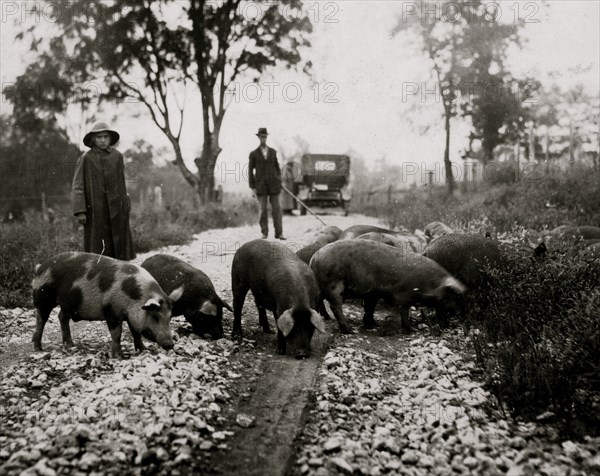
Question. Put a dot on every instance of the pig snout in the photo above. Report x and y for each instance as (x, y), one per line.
(167, 345)
(302, 354)
(164, 339)
(208, 326)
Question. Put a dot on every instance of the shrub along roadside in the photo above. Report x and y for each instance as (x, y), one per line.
(27, 243)
(558, 197)
(539, 329)
(539, 339)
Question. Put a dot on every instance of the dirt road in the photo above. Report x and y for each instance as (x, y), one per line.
(362, 404)
(274, 398)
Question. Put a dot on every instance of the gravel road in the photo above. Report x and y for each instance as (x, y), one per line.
(362, 404)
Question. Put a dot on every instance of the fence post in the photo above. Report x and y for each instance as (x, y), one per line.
(44, 208)
(430, 181)
(389, 195)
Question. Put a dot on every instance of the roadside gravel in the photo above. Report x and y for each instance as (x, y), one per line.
(410, 406)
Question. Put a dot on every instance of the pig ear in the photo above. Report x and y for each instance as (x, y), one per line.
(285, 323)
(151, 305)
(453, 290)
(317, 320)
(176, 294)
(208, 308)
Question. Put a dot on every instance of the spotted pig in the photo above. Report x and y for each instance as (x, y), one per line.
(91, 287)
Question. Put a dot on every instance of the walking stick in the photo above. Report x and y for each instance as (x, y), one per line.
(303, 204)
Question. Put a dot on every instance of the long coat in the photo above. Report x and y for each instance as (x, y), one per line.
(264, 174)
(99, 191)
(291, 178)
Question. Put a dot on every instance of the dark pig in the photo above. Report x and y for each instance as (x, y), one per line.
(282, 283)
(307, 252)
(370, 270)
(411, 242)
(592, 248)
(576, 232)
(470, 257)
(199, 303)
(437, 228)
(329, 234)
(467, 257)
(91, 287)
(323, 237)
(357, 230)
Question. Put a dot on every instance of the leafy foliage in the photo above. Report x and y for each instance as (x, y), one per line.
(36, 157)
(27, 243)
(537, 333)
(540, 338)
(150, 51)
(468, 52)
(545, 199)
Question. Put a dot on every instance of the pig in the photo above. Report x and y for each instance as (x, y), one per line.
(329, 234)
(576, 232)
(91, 287)
(282, 283)
(411, 242)
(323, 237)
(372, 271)
(307, 252)
(592, 248)
(199, 303)
(468, 257)
(357, 230)
(437, 228)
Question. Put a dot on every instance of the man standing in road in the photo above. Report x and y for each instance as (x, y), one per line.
(265, 182)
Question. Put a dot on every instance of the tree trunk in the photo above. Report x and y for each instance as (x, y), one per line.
(447, 163)
(206, 169)
(488, 150)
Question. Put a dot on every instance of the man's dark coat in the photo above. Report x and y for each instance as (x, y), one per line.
(264, 174)
(99, 191)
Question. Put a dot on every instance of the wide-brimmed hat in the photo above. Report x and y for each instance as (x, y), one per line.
(101, 127)
(262, 131)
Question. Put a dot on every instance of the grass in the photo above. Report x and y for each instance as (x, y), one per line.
(29, 242)
(537, 334)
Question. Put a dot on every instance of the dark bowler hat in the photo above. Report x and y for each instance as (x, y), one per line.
(101, 127)
(262, 131)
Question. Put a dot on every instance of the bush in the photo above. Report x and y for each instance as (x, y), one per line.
(26, 244)
(540, 337)
(538, 334)
(544, 200)
(178, 222)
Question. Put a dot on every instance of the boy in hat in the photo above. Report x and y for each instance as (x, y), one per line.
(265, 182)
(100, 200)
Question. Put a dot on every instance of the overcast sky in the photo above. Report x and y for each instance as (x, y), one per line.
(360, 72)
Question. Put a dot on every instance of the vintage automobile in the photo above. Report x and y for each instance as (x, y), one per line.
(325, 181)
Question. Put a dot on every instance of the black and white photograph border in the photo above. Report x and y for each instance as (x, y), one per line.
(299, 237)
